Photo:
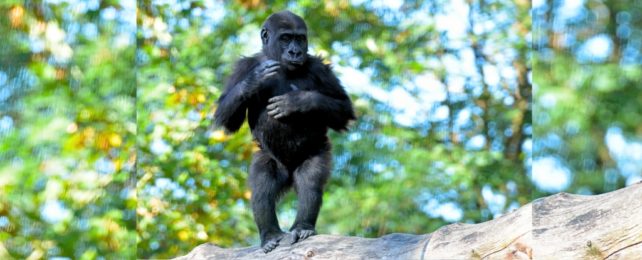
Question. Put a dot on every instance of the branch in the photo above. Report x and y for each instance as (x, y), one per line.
(562, 226)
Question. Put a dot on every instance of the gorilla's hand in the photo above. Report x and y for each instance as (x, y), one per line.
(283, 105)
(265, 70)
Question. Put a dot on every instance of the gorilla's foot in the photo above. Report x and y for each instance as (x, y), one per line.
(300, 234)
(272, 241)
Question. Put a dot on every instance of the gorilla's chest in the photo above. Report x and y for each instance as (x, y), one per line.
(297, 135)
(284, 85)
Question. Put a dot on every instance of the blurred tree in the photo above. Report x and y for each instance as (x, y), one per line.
(443, 131)
(67, 130)
(587, 73)
(442, 90)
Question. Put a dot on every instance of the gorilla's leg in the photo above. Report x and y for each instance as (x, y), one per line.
(309, 179)
(267, 181)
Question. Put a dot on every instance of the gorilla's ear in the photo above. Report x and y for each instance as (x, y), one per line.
(264, 36)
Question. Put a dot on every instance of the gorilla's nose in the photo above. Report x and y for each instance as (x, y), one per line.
(295, 53)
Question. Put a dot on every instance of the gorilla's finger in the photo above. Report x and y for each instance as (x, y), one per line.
(279, 116)
(269, 63)
(272, 106)
(274, 67)
(271, 68)
(271, 72)
(277, 99)
(269, 75)
(273, 113)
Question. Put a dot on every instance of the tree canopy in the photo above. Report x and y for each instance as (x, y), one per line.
(107, 149)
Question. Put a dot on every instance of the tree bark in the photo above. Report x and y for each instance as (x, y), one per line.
(562, 226)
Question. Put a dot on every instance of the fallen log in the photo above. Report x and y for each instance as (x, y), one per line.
(561, 226)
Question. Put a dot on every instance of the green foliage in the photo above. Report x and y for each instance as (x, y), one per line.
(588, 94)
(107, 149)
(68, 142)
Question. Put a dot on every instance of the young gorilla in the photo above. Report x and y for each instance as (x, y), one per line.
(291, 100)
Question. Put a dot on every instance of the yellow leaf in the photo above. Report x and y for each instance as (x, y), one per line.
(183, 235)
(218, 135)
(200, 98)
(115, 140)
(15, 16)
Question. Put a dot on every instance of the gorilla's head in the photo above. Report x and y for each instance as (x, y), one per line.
(285, 39)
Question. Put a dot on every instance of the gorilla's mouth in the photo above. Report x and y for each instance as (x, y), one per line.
(296, 62)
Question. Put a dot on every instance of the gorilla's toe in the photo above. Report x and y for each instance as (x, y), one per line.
(301, 234)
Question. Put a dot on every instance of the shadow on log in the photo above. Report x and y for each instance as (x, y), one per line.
(562, 226)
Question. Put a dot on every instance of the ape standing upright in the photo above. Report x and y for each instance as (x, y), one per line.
(291, 100)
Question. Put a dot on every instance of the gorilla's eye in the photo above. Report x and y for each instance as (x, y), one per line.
(285, 37)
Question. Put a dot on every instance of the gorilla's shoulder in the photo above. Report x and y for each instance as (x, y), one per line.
(245, 64)
(248, 61)
(316, 64)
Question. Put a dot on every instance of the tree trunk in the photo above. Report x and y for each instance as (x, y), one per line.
(562, 226)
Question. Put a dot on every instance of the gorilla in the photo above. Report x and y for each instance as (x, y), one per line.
(291, 100)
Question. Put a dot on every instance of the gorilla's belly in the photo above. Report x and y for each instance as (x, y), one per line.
(289, 141)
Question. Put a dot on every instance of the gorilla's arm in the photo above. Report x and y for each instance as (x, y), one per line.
(242, 85)
(334, 111)
(328, 102)
(332, 101)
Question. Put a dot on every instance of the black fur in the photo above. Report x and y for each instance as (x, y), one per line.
(290, 106)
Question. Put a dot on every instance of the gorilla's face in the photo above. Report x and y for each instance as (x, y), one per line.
(285, 39)
(293, 45)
